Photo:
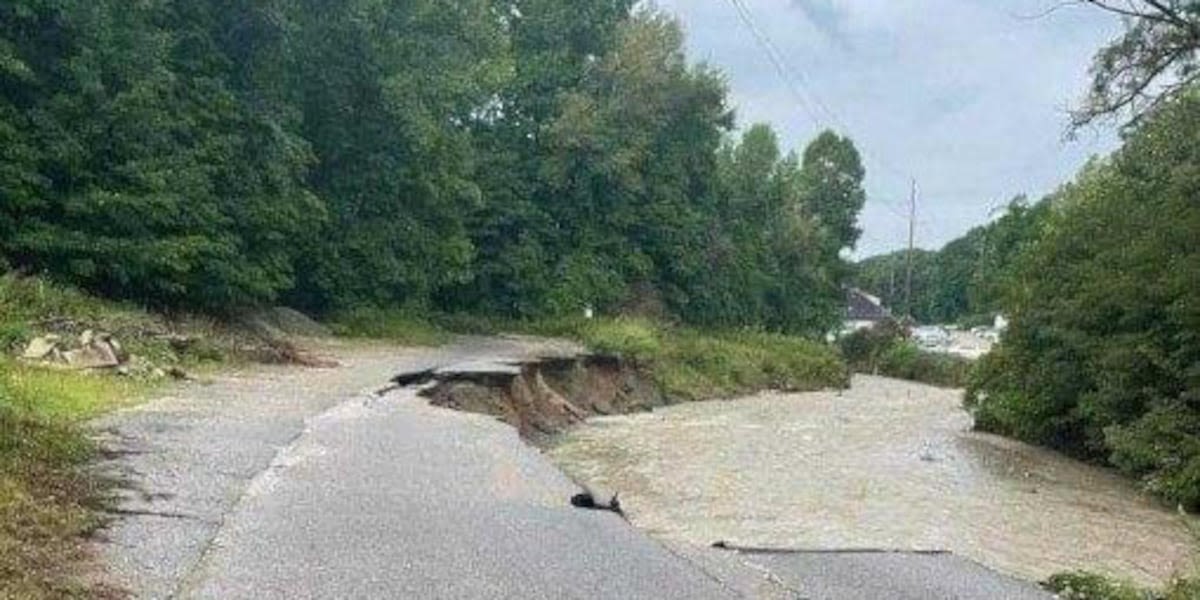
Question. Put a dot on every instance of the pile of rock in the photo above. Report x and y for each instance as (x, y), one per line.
(92, 350)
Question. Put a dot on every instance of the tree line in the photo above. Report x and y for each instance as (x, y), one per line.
(963, 282)
(1102, 356)
(1101, 359)
(523, 158)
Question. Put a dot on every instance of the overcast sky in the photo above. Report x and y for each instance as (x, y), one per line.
(967, 96)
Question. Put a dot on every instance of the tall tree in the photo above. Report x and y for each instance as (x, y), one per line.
(388, 92)
(1101, 357)
(143, 172)
(832, 176)
(1154, 60)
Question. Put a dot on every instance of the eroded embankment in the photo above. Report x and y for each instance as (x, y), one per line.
(541, 397)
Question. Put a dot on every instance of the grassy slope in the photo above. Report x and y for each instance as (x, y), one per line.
(49, 500)
(689, 364)
(692, 365)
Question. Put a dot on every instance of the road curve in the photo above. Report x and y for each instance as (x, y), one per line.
(294, 483)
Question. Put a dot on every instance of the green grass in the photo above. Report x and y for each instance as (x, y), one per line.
(691, 364)
(49, 501)
(394, 325)
(33, 306)
(688, 364)
(1082, 585)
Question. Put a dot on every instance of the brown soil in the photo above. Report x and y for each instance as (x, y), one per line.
(544, 397)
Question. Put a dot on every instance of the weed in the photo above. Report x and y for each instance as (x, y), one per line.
(49, 502)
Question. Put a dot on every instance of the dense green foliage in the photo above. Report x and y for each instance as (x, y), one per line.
(518, 158)
(965, 280)
(136, 160)
(1103, 355)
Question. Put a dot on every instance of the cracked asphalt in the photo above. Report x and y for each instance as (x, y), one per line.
(303, 483)
(285, 482)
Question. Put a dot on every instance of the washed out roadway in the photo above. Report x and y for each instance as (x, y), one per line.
(297, 483)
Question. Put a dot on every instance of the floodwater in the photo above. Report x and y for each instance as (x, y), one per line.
(884, 465)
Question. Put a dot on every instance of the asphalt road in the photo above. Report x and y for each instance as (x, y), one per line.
(287, 483)
(304, 483)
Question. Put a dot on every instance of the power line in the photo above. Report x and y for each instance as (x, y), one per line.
(771, 51)
(802, 91)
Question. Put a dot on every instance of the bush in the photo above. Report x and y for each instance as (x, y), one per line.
(864, 349)
(1080, 585)
(905, 361)
(1100, 358)
(884, 350)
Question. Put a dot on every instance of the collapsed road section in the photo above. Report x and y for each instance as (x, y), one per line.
(540, 396)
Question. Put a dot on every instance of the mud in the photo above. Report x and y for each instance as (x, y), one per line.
(541, 397)
(885, 465)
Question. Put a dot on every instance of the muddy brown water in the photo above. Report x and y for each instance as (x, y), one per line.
(884, 465)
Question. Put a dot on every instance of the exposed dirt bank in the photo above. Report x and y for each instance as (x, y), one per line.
(544, 396)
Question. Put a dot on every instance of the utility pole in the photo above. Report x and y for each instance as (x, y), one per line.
(912, 238)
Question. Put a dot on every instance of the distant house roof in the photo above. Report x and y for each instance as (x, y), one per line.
(861, 306)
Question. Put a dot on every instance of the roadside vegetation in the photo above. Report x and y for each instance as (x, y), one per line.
(885, 350)
(517, 160)
(398, 170)
(513, 163)
(687, 363)
(49, 500)
(398, 326)
(1080, 585)
(1100, 360)
(691, 364)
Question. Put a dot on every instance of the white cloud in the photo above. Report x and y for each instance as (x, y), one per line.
(969, 96)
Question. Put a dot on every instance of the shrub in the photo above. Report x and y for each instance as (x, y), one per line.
(1080, 585)
(884, 350)
(864, 349)
(904, 360)
(1100, 358)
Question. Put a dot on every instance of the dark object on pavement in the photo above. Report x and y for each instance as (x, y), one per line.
(588, 499)
(413, 377)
